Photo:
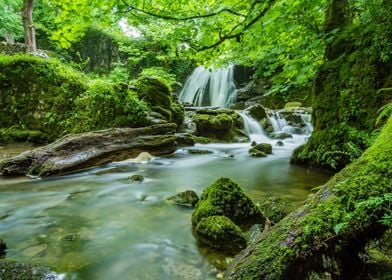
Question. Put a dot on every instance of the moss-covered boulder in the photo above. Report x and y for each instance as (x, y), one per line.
(187, 198)
(294, 104)
(262, 148)
(280, 135)
(226, 198)
(221, 233)
(158, 96)
(274, 209)
(37, 93)
(136, 178)
(220, 124)
(258, 112)
(48, 99)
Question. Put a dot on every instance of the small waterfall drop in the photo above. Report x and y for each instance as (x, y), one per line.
(277, 121)
(253, 128)
(210, 87)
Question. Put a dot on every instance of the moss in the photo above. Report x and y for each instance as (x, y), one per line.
(274, 208)
(17, 135)
(333, 147)
(221, 125)
(186, 198)
(136, 178)
(265, 148)
(44, 95)
(346, 100)
(158, 96)
(36, 93)
(291, 105)
(221, 233)
(226, 198)
(107, 105)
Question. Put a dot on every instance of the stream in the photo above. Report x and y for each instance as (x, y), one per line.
(95, 224)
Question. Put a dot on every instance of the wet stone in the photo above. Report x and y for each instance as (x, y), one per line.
(136, 178)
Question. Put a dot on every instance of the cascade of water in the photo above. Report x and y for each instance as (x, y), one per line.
(277, 121)
(306, 118)
(253, 128)
(210, 87)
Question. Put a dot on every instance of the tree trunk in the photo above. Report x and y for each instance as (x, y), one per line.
(28, 25)
(78, 151)
(326, 234)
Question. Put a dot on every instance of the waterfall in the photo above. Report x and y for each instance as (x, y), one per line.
(253, 128)
(210, 87)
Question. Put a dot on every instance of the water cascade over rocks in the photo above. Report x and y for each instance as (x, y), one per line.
(210, 87)
(253, 128)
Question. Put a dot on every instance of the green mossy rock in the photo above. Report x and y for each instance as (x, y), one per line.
(136, 178)
(221, 233)
(274, 209)
(37, 93)
(265, 148)
(256, 153)
(158, 96)
(186, 198)
(291, 105)
(280, 135)
(218, 124)
(226, 198)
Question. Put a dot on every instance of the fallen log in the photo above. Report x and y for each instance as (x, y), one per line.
(326, 234)
(78, 151)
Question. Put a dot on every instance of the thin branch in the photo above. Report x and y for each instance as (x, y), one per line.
(238, 34)
(227, 10)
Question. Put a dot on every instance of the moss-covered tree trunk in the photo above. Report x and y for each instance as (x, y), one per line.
(28, 25)
(345, 96)
(326, 234)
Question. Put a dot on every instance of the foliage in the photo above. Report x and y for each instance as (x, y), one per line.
(44, 100)
(162, 75)
(56, 99)
(10, 19)
(106, 105)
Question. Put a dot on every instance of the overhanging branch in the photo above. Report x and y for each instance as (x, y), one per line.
(131, 8)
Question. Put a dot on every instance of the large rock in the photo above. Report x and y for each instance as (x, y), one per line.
(221, 233)
(265, 148)
(158, 96)
(217, 123)
(226, 198)
(78, 151)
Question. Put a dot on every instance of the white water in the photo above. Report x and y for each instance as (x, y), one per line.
(253, 128)
(277, 121)
(210, 87)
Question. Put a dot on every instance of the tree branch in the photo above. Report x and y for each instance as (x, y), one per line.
(227, 10)
(246, 27)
